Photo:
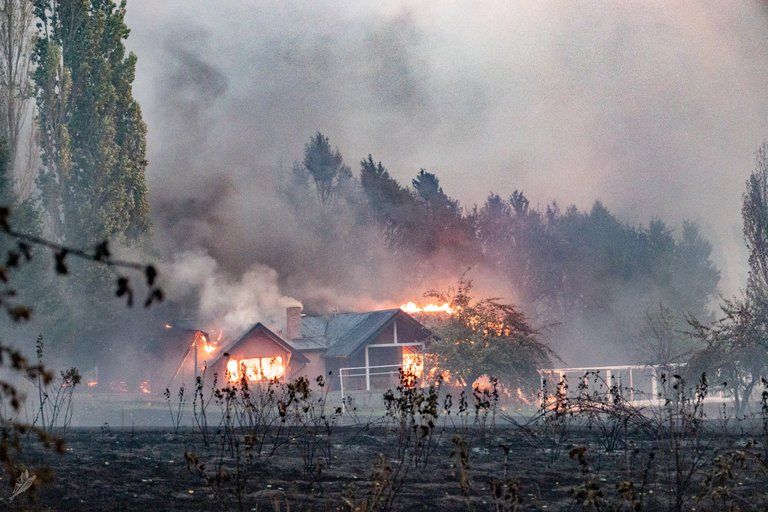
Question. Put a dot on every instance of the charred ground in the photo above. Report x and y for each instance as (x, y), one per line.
(143, 470)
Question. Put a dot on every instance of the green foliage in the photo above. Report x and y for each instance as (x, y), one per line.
(591, 272)
(754, 213)
(390, 202)
(735, 347)
(587, 272)
(6, 182)
(93, 149)
(93, 136)
(325, 166)
(486, 337)
(424, 220)
(15, 88)
(34, 281)
(428, 188)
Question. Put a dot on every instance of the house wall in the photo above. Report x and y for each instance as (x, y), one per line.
(314, 368)
(257, 345)
(406, 333)
(332, 366)
(382, 356)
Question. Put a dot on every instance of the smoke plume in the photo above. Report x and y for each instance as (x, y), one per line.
(654, 108)
(222, 304)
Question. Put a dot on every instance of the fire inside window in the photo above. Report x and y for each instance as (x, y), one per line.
(256, 369)
(413, 364)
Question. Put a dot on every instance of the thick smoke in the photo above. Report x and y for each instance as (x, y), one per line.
(654, 108)
(225, 305)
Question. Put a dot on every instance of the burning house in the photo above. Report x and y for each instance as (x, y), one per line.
(174, 356)
(361, 351)
(258, 355)
(165, 356)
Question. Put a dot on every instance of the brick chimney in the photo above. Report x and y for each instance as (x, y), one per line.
(293, 323)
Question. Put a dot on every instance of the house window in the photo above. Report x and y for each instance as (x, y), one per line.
(413, 363)
(272, 368)
(255, 369)
(232, 373)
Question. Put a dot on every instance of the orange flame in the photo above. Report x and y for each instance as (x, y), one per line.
(232, 370)
(413, 365)
(208, 347)
(272, 368)
(412, 307)
(256, 369)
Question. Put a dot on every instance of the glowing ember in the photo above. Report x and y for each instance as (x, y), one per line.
(482, 383)
(412, 307)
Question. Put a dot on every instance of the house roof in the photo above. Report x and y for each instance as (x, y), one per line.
(263, 329)
(167, 348)
(343, 333)
(170, 345)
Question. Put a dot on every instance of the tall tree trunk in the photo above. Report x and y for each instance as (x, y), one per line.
(15, 59)
(746, 394)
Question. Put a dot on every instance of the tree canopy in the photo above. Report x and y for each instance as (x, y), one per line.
(486, 337)
(586, 271)
(93, 137)
(735, 347)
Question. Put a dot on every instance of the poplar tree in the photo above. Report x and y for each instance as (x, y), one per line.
(15, 88)
(93, 137)
(6, 184)
(754, 212)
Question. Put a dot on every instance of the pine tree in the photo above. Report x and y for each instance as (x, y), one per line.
(326, 167)
(386, 197)
(92, 132)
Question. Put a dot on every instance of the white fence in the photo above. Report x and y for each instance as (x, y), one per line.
(638, 384)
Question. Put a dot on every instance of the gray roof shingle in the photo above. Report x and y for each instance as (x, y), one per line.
(342, 333)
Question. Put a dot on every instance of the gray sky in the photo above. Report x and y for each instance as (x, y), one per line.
(654, 108)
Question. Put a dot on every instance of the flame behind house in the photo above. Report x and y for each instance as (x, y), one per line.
(365, 350)
(412, 307)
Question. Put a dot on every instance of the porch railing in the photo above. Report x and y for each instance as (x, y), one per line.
(365, 372)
